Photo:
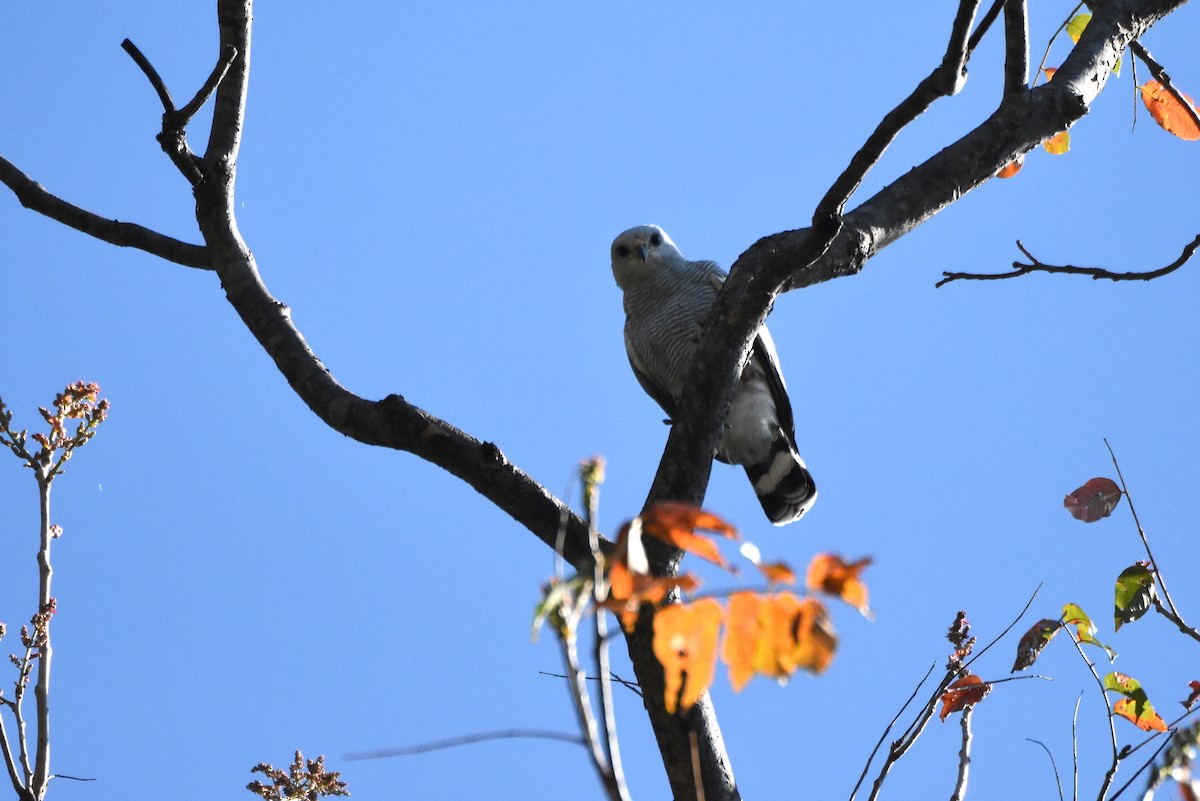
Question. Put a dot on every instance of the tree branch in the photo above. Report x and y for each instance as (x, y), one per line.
(173, 137)
(1037, 266)
(1016, 47)
(41, 690)
(964, 752)
(34, 197)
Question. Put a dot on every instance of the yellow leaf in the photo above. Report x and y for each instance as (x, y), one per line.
(1076, 25)
(1058, 144)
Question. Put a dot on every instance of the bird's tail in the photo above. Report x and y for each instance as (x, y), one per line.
(783, 484)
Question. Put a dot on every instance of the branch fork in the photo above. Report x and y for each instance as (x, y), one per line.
(173, 137)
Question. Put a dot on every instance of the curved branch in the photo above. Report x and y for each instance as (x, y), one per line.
(1097, 273)
(34, 196)
(945, 80)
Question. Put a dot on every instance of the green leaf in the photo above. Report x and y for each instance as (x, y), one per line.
(1135, 593)
(1076, 25)
(1085, 630)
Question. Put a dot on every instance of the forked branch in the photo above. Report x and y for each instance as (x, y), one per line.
(173, 137)
(1035, 265)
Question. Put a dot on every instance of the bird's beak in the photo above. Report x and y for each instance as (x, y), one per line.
(643, 251)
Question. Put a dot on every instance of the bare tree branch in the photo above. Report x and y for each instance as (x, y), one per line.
(173, 137)
(1037, 266)
(34, 197)
(1016, 47)
(964, 752)
(468, 739)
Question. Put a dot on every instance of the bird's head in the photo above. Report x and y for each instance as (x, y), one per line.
(642, 250)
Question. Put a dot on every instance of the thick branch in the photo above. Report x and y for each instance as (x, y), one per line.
(1016, 47)
(34, 196)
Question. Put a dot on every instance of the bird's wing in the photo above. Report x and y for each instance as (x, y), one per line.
(767, 359)
(653, 389)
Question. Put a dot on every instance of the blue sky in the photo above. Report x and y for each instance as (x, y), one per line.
(433, 191)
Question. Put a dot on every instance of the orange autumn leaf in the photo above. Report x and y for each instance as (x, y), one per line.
(1012, 168)
(676, 524)
(964, 692)
(774, 635)
(1141, 715)
(815, 638)
(741, 637)
(777, 572)
(1168, 112)
(831, 574)
(629, 589)
(629, 583)
(1058, 144)
(685, 643)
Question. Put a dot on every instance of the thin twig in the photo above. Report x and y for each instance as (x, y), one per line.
(185, 114)
(1096, 273)
(156, 81)
(1173, 613)
(1050, 43)
(696, 775)
(468, 739)
(964, 755)
(1075, 749)
(985, 22)
(945, 80)
(1053, 765)
(889, 727)
(1138, 772)
(1007, 629)
(1112, 729)
(41, 690)
(614, 774)
(583, 707)
(9, 763)
(632, 686)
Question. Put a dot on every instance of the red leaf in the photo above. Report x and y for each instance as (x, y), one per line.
(964, 692)
(1093, 501)
(1193, 696)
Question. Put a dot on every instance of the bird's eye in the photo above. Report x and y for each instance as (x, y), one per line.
(623, 251)
(655, 239)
